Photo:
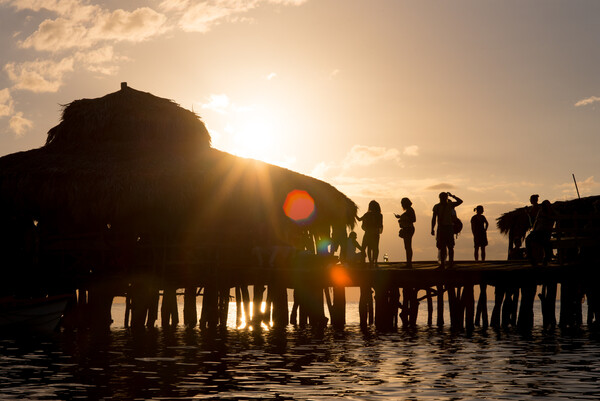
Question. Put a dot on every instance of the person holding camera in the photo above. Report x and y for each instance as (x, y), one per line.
(406, 222)
(443, 215)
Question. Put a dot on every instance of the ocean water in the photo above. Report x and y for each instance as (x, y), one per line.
(423, 363)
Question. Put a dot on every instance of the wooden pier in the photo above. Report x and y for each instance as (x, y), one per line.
(392, 295)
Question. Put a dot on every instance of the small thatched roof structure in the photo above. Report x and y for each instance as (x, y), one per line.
(143, 164)
(517, 220)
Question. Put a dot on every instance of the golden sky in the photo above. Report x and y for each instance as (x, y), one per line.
(490, 100)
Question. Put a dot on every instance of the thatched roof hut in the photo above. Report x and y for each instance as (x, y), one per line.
(143, 165)
(516, 223)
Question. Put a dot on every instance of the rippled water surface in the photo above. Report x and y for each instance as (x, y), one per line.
(300, 364)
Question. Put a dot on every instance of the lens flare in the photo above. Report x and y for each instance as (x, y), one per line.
(299, 206)
(339, 276)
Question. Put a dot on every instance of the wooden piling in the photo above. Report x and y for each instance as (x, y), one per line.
(338, 317)
(481, 316)
(190, 314)
(548, 300)
(525, 318)
(468, 300)
(168, 310)
(440, 305)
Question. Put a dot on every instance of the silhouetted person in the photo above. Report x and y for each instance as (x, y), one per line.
(351, 255)
(406, 222)
(533, 210)
(541, 233)
(479, 226)
(372, 224)
(443, 214)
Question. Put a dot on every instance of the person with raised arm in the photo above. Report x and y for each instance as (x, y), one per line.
(443, 215)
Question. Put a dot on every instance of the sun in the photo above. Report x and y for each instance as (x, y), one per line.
(256, 134)
(254, 138)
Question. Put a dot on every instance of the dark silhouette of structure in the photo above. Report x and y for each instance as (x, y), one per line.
(130, 198)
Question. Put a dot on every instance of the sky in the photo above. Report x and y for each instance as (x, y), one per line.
(490, 100)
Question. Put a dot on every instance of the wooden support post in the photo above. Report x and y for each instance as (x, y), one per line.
(364, 304)
(381, 307)
(257, 300)
(127, 317)
(82, 309)
(499, 293)
(570, 305)
(280, 305)
(238, 306)
(338, 318)
(548, 301)
(328, 301)
(481, 317)
(440, 305)
(509, 309)
(190, 314)
(525, 319)
(153, 299)
(168, 310)
(593, 306)
(246, 303)
(456, 308)
(209, 317)
(429, 306)
(295, 309)
(410, 307)
(414, 307)
(223, 306)
(395, 305)
(140, 300)
(100, 300)
(468, 300)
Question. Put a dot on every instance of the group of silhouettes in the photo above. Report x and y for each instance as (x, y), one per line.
(444, 217)
(541, 216)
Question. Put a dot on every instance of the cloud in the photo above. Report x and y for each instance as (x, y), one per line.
(201, 17)
(361, 155)
(219, 103)
(271, 76)
(6, 103)
(443, 186)
(587, 101)
(19, 124)
(40, 75)
(102, 60)
(135, 26)
(334, 73)
(86, 30)
(587, 187)
(412, 150)
(75, 9)
(57, 35)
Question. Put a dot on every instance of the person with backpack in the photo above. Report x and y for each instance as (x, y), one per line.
(444, 215)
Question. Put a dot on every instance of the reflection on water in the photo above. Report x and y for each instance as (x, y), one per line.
(300, 364)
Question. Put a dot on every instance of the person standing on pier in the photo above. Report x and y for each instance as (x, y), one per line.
(533, 210)
(372, 223)
(540, 234)
(443, 215)
(406, 221)
(479, 226)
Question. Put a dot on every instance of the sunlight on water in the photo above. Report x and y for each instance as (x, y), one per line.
(424, 363)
